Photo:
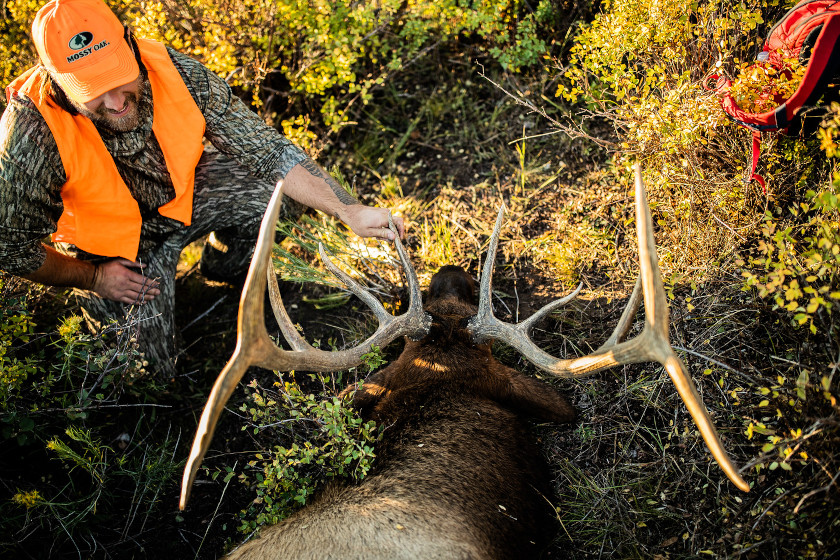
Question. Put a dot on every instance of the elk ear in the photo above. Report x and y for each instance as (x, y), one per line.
(365, 395)
(535, 398)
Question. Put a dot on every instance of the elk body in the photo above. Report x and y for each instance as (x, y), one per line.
(457, 475)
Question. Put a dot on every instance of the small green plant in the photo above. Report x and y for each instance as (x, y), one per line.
(91, 456)
(786, 399)
(437, 243)
(322, 439)
(16, 328)
(374, 359)
(296, 260)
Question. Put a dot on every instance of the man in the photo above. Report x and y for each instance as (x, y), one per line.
(101, 146)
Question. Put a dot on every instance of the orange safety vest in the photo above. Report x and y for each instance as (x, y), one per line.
(100, 215)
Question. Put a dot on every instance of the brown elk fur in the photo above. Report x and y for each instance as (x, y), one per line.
(457, 475)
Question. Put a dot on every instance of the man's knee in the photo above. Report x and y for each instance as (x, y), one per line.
(226, 258)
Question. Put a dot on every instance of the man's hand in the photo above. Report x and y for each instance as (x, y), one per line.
(367, 221)
(115, 280)
(309, 184)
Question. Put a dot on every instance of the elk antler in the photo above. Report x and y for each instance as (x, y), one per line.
(255, 348)
(652, 345)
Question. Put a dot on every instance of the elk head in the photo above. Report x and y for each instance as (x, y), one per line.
(255, 348)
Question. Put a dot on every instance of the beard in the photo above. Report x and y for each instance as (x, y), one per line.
(108, 119)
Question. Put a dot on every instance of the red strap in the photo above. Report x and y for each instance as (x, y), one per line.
(720, 83)
(756, 150)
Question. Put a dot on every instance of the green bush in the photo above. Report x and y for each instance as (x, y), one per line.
(332, 55)
(321, 439)
(16, 327)
(329, 55)
(16, 50)
(797, 262)
(62, 392)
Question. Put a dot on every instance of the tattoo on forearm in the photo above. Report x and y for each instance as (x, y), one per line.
(343, 196)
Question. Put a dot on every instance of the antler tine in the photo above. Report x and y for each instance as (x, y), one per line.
(287, 328)
(414, 294)
(484, 325)
(656, 313)
(528, 324)
(415, 297)
(656, 304)
(626, 320)
(415, 320)
(484, 317)
(381, 315)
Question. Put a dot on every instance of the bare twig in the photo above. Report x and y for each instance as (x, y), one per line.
(574, 133)
(205, 314)
(215, 512)
(825, 488)
(716, 362)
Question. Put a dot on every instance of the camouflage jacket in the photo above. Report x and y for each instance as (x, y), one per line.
(31, 172)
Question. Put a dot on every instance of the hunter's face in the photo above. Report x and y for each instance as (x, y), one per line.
(116, 109)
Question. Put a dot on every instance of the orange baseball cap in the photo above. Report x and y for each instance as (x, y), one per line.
(82, 44)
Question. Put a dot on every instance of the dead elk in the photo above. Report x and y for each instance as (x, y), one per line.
(456, 474)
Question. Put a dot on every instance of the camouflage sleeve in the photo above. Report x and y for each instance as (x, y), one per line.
(233, 128)
(31, 176)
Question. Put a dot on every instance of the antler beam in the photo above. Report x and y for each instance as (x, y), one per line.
(652, 345)
(255, 348)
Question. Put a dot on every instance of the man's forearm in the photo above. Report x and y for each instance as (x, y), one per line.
(309, 184)
(64, 271)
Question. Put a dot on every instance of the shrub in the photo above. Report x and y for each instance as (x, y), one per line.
(796, 263)
(321, 439)
(16, 327)
(643, 66)
(334, 54)
(329, 55)
(62, 389)
(16, 50)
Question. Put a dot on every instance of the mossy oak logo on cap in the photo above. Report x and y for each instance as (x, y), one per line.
(80, 40)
